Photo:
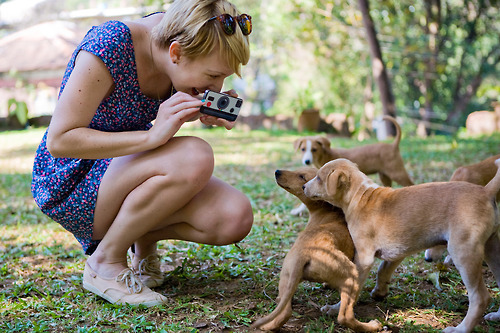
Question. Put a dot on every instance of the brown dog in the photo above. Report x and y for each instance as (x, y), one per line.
(323, 252)
(382, 158)
(394, 223)
(479, 173)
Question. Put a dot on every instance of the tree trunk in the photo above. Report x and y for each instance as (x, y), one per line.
(378, 66)
(432, 26)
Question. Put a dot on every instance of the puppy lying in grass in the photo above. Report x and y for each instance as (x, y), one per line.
(392, 224)
(323, 252)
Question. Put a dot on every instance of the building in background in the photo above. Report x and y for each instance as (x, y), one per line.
(37, 40)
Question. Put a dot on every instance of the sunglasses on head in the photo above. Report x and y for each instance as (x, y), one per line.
(228, 23)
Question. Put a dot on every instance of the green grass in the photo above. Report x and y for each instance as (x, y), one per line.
(210, 288)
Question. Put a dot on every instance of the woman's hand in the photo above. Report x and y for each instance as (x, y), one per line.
(174, 112)
(215, 121)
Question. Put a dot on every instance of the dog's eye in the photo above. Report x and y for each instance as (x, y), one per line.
(313, 150)
(303, 149)
(302, 177)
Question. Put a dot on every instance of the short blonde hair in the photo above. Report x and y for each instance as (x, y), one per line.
(187, 22)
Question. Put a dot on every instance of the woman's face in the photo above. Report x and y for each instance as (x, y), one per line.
(194, 76)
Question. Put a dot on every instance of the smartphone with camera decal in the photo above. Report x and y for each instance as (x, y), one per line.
(221, 105)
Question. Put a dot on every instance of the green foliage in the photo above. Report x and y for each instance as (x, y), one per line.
(19, 110)
(463, 49)
(320, 46)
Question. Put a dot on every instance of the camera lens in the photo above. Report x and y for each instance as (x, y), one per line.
(223, 102)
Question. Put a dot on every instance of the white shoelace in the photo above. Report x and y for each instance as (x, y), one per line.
(134, 285)
(150, 266)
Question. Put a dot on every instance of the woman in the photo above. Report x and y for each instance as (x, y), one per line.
(117, 182)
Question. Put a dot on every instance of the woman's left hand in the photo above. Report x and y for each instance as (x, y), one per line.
(215, 121)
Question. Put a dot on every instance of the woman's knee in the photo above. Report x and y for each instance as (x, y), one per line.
(195, 151)
(194, 160)
(237, 223)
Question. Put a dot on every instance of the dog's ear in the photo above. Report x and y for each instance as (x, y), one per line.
(324, 142)
(337, 179)
(297, 143)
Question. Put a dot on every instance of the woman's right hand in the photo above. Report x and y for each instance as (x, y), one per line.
(174, 112)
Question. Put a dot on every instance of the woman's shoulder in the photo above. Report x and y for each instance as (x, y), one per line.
(144, 24)
(109, 39)
(110, 30)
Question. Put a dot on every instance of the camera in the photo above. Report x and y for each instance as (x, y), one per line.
(221, 105)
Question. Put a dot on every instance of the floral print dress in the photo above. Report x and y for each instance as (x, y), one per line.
(66, 188)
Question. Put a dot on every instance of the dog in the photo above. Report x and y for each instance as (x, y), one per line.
(394, 223)
(323, 252)
(479, 173)
(382, 158)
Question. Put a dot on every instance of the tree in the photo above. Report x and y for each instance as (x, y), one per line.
(476, 17)
(378, 66)
(443, 53)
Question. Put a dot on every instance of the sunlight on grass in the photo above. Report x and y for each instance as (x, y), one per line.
(218, 288)
(17, 150)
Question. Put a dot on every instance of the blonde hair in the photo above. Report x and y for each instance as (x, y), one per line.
(187, 22)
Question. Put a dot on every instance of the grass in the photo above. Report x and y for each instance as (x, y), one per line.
(210, 288)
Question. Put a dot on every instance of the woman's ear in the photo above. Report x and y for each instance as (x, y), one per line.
(175, 52)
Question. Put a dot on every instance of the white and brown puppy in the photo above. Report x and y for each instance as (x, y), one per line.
(382, 158)
(323, 252)
(394, 223)
(479, 173)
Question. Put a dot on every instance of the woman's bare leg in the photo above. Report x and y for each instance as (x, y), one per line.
(155, 193)
(217, 215)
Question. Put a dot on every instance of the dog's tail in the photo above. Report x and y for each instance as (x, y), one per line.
(283, 311)
(493, 186)
(397, 139)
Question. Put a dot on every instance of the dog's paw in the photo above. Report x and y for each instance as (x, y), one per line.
(269, 327)
(452, 329)
(299, 211)
(374, 325)
(448, 261)
(378, 294)
(331, 310)
(493, 316)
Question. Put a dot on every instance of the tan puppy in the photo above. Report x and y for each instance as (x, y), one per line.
(394, 223)
(479, 173)
(323, 252)
(382, 158)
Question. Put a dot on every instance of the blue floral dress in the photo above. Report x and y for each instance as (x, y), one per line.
(66, 188)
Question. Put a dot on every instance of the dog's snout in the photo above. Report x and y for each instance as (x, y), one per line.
(307, 162)
(277, 173)
(303, 187)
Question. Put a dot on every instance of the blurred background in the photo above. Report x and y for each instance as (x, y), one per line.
(316, 65)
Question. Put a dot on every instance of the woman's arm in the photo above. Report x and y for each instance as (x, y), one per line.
(89, 84)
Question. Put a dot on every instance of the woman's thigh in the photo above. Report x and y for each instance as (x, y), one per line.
(182, 158)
